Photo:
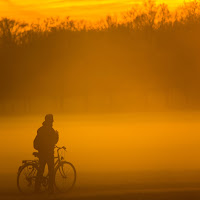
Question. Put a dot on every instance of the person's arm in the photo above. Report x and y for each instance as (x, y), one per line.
(56, 137)
(36, 141)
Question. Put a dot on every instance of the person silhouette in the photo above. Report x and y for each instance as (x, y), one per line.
(45, 142)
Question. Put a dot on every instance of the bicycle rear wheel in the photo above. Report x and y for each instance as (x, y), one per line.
(26, 178)
(65, 177)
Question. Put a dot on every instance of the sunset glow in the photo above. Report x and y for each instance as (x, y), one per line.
(76, 9)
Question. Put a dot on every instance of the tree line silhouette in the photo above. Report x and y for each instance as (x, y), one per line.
(151, 54)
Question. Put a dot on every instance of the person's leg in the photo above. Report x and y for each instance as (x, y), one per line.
(42, 163)
(50, 163)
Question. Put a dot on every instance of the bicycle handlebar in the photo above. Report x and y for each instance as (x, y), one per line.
(56, 147)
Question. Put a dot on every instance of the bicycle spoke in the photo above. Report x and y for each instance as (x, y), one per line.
(26, 179)
(65, 177)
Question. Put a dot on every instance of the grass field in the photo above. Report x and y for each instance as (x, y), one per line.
(129, 156)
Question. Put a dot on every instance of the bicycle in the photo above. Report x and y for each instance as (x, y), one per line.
(63, 170)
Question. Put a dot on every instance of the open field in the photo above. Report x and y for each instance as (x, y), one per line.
(118, 156)
(136, 185)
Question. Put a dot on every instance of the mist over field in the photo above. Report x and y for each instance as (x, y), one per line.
(124, 94)
(140, 141)
(127, 152)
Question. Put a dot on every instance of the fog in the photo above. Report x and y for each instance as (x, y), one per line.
(147, 62)
(124, 95)
(132, 151)
(110, 143)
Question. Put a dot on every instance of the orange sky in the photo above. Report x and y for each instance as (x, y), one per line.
(78, 9)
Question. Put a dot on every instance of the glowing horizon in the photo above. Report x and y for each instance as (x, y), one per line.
(76, 9)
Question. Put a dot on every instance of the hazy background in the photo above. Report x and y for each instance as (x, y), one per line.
(111, 142)
(147, 62)
(139, 151)
(124, 93)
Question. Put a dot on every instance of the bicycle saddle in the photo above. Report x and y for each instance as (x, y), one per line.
(36, 154)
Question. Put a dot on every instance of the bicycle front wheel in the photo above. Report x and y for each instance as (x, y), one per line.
(26, 178)
(65, 176)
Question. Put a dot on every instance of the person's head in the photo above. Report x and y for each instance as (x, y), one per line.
(49, 119)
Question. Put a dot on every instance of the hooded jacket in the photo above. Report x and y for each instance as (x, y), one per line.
(46, 139)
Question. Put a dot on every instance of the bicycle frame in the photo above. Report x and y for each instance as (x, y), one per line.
(59, 159)
(31, 173)
(36, 161)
